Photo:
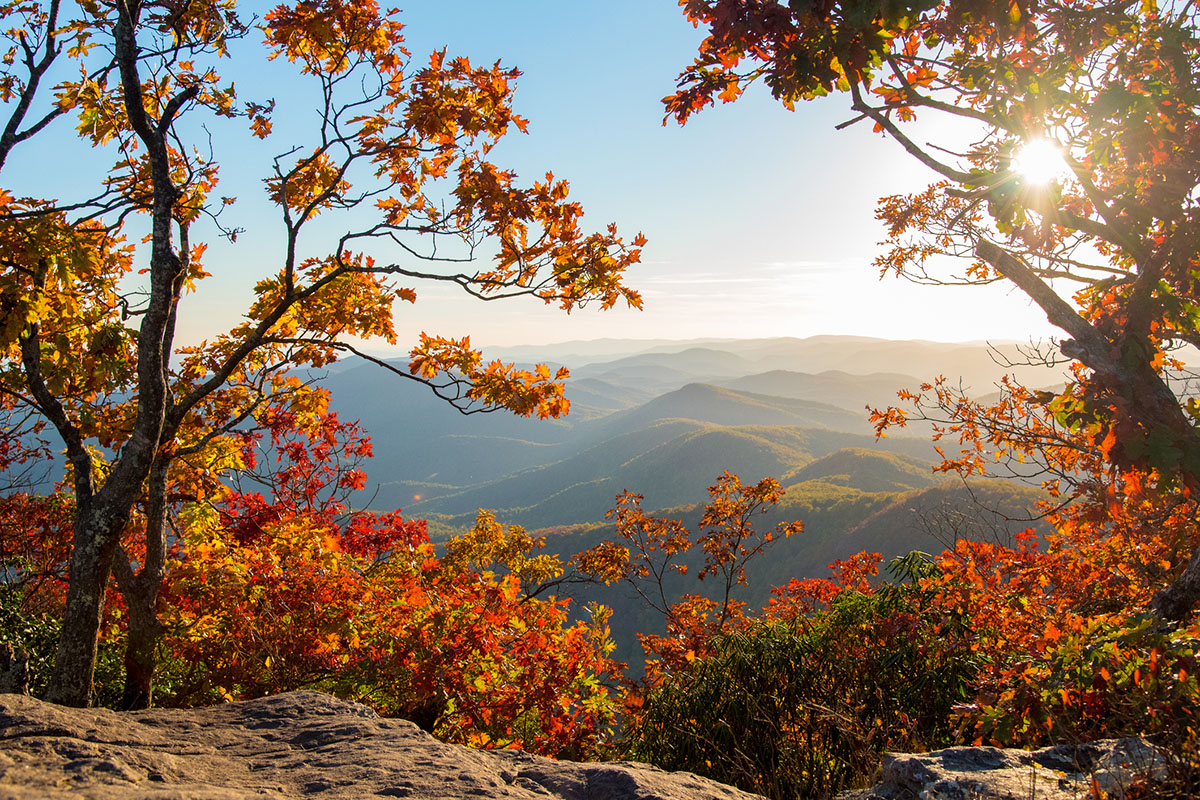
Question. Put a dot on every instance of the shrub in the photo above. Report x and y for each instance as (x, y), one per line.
(802, 706)
(1108, 678)
(28, 628)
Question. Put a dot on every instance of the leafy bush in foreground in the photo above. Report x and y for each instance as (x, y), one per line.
(1107, 679)
(801, 705)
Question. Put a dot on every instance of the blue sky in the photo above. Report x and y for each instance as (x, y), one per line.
(760, 221)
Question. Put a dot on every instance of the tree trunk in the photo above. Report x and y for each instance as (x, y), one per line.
(14, 670)
(1156, 409)
(141, 648)
(1175, 601)
(140, 590)
(95, 544)
(101, 519)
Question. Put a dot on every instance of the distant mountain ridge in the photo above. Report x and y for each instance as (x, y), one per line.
(657, 416)
(854, 392)
(671, 462)
(869, 470)
(713, 404)
(665, 419)
(977, 363)
(699, 361)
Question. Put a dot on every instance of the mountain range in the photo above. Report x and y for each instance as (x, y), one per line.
(665, 419)
(661, 418)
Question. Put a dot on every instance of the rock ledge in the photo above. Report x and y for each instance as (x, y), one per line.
(300, 744)
(1064, 772)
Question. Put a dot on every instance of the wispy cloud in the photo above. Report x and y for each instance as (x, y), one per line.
(707, 280)
(811, 266)
(763, 272)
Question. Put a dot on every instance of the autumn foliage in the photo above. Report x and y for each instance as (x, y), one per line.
(1031, 643)
(203, 543)
(655, 548)
(298, 591)
(1104, 245)
(1090, 632)
(277, 584)
(394, 160)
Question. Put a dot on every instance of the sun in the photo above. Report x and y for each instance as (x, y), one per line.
(1040, 162)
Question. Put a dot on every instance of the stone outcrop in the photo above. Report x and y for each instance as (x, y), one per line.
(308, 744)
(300, 744)
(1065, 772)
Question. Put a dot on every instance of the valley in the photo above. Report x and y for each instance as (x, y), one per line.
(664, 420)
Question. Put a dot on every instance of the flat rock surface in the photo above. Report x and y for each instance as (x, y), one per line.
(1064, 772)
(300, 744)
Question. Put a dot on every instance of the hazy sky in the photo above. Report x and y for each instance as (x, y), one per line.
(760, 221)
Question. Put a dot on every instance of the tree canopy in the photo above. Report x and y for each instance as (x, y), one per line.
(93, 286)
(1078, 187)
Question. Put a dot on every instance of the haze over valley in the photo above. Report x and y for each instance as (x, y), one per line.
(665, 418)
(660, 418)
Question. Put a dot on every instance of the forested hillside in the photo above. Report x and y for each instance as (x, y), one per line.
(716, 409)
(664, 422)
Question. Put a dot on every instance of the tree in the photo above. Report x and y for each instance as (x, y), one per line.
(274, 583)
(289, 588)
(802, 703)
(1105, 243)
(799, 697)
(398, 158)
(657, 549)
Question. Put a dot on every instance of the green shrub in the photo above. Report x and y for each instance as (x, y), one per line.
(1109, 679)
(36, 634)
(803, 708)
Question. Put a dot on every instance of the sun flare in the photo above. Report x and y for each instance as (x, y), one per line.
(1040, 162)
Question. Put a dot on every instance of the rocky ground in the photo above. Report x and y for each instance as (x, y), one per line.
(300, 744)
(308, 744)
(1108, 768)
